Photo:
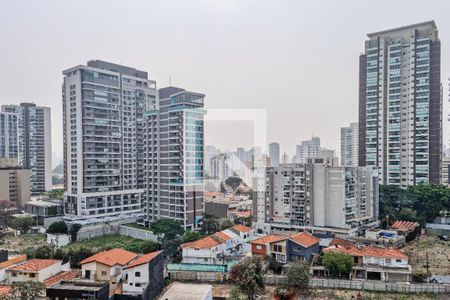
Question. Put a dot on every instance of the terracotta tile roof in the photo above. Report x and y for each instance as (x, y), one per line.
(245, 213)
(5, 289)
(241, 228)
(111, 257)
(13, 261)
(305, 239)
(222, 236)
(268, 239)
(34, 265)
(64, 275)
(368, 251)
(404, 225)
(203, 243)
(146, 258)
(342, 242)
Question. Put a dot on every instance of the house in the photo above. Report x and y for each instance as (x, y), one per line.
(271, 245)
(35, 270)
(144, 275)
(107, 266)
(375, 263)
(61, 276)
(78, 289)
(219, 247)
(302, 246)
(9, 263)
(207, 250)
(407, 228)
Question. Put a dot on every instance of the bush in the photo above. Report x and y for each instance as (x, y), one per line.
(298, 275)
(58, 227)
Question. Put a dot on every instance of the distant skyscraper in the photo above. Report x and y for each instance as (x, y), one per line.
(220, 167)
(274, 154)
(104, 154)
(349, 145)
(308, 149)
(175, 153)
(30, 142)
(210, 152)
(241, 154)
(400, 104)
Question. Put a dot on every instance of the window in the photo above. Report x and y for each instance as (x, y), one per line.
(103, 273)
(137, 274)
(14, 274)
(388, 260)
(398, 260)
(137, 284)
(258, 247)
(277, 248)
(32, 275)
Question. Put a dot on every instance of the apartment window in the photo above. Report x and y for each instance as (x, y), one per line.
(137, 274)
(103, 273)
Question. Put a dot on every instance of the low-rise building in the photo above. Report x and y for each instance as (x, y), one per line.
(191, 291)
(78, 289)
(4, 265)
(220, 247)
(144, 275)
(35, 270)
(107, 266)
(43, 209)
(271, 245)
(375, 263)
(302, 246)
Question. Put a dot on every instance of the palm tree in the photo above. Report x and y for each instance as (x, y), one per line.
(210, 223)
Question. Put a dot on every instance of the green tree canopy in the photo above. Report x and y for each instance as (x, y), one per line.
(226, 223)
(22, 223)
(190, 236)
(339, 264)
(210, 223)
(233, 182)
(169, 234)
(247, 275)
(298, 275)
(58, 227)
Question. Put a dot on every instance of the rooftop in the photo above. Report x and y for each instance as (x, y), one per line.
(404, 225)
(431, 24)
(34, 265)
(268, 239)
(305, 239)
(203, 243)
(64, 275)
(368, 251)
(5, 289)
(182, 291)
(222, 235)
(13, 261)
(80, 285)
(241, 228)
(144, 259)
(111, 257)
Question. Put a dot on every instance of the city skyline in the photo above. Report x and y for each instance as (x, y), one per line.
(228, 71)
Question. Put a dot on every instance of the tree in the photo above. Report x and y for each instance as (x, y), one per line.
(6, 209)
(247, 275)
(339, 264)
(190, 236)
(27, 290)
(41, 252)
(148, 246)
(298, 275)
(226, 224)
(210, 223)
(58, 227)
(233, 182)
(22, 223)
(432, 200)
(73, 231)
(169, 234)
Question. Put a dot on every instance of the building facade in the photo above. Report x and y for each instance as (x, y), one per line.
(103, 111)
(349, 145)
(25, 130)
(274, 154)
(318, 197)
(174, 149)
(220, 167)
(307, 149)
(400, 104)
(14, 182)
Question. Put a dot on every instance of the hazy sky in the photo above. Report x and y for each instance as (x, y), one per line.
(296, 59)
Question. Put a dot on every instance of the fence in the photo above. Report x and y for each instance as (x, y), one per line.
(137, 233)
(374, 286)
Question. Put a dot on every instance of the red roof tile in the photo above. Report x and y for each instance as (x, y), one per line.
(203, 243)
(111, 257)
(34, 265)
(65, 275)
(241, 228)
(222, 236)
(146, 258)
(368, 251)
(13, 261)
(404, 225)
(5, 289)
(305, 239)
(342, 242)
(268, 239)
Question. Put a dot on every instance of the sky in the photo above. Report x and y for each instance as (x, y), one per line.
(296, 60)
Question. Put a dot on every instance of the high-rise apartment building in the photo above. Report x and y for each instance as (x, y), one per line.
(274, 154)
(26, 132)
(349, 145)
(318, 197)
(221, 167)
(400, 104)
(174, 146)
(104, 154)
(307, 149)
(14, 182)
